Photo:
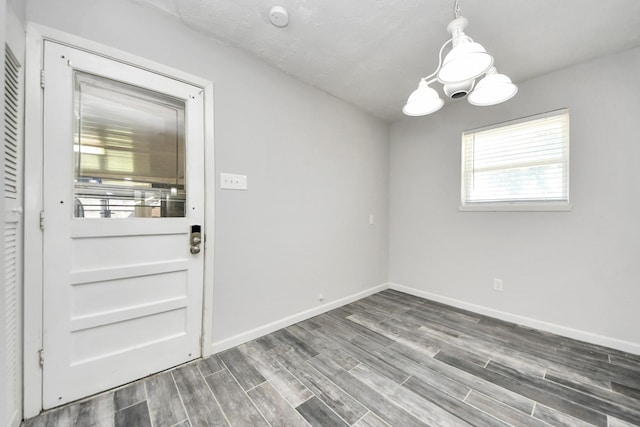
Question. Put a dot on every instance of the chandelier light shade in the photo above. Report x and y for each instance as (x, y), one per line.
(493, 89)
(422, 101)
(466, 61)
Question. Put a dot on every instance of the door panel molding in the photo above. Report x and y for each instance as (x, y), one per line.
(116, 272)
(80, 229)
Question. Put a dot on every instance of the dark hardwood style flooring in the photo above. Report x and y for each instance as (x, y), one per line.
(387, 360)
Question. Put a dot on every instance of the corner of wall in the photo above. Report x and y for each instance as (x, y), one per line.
(244, 337)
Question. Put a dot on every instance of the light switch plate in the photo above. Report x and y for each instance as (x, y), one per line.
(230, 181)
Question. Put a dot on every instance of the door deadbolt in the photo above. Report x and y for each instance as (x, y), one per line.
(195, 239)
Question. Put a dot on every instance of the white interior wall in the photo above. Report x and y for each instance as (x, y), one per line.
(317, 168)
(18, 9)
(575, 273)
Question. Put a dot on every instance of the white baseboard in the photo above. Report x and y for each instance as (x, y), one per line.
(244, 337)
(564, 331)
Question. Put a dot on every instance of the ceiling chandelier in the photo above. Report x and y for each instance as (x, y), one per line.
(466, 61)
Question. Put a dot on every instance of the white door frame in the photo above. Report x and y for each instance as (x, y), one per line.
(33, 190)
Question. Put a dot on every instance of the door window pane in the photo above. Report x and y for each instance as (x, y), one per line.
(129, 151)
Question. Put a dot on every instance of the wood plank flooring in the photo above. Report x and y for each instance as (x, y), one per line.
(388, 360)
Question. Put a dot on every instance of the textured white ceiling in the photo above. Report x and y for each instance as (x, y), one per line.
(372, 53)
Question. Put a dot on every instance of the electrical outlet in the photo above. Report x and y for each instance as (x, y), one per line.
(497, 285)
(233, 182)
(320, 297)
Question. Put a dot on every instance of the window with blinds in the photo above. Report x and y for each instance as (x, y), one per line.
(518, 165)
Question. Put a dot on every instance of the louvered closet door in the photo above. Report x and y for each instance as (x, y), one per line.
(12, 232)
(124, 187)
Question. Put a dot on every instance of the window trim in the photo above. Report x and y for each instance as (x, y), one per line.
(528, 206)
(509, 205)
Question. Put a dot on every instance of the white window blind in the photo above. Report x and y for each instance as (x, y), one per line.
(521, 164)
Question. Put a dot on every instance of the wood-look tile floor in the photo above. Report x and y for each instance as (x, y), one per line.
(387, 360)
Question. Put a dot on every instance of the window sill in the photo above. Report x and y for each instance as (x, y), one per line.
(516, 207)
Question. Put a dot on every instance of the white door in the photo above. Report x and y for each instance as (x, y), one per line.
(13, 158)
(123, 209)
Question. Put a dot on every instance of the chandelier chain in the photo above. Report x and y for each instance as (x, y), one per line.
(456, 9)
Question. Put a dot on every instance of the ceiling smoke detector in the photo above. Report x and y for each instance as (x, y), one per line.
(278, 16)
